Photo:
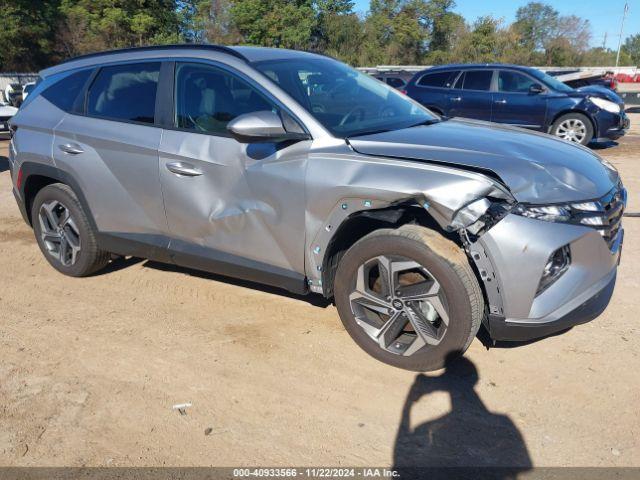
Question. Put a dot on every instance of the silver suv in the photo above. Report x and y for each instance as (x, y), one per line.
(294, 170)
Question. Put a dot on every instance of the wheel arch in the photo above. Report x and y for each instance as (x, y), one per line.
(37, 176)
(362, 223)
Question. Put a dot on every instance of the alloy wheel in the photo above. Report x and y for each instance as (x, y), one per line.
(572, 129)
(59, 232)
(399, 304)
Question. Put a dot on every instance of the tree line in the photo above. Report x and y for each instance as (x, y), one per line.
(39, 33)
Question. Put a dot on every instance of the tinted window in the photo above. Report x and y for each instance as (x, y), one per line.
(514, 82)
(395, 82)
(64, 92)
(439, 79)
(208, 98)
(125, 92)
(475, 80)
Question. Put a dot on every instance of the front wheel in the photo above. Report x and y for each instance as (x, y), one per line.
(408, 297)
(573, 127)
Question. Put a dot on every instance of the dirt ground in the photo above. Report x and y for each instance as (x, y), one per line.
(90, 369)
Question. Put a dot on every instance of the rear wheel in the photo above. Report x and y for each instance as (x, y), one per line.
(408, 297)
(64, 233)
(573, 127)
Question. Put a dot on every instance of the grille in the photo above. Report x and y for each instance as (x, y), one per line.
(607, 219)
(5, 118)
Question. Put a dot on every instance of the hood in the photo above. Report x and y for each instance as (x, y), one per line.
(536, 167)
(600, 91)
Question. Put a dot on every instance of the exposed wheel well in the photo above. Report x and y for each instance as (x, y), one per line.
(32, 186)
(363, 223)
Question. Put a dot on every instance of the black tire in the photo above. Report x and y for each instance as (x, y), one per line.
(449, 266)
(567, 117)
(90, 258)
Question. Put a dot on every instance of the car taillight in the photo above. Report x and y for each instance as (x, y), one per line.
(19, 179)
(404, 92)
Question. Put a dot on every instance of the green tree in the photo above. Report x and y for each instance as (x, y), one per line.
(90, 25)
(631, 47)
(277, 23)
(535, 22)
(27, 34)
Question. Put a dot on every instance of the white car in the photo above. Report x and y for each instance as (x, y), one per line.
(26, 89)
(6, 112)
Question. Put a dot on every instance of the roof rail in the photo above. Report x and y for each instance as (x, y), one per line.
(192, 46)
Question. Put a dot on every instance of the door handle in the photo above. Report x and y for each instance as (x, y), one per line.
(184, 169)
(71, 148)
(502, 102)
(455, 99)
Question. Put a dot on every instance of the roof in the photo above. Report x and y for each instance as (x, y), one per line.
(480, 65)
(241, 53)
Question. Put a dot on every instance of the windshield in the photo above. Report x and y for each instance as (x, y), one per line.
(550, 81)
(345, 101)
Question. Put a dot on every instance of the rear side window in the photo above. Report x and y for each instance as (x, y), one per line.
(64, 92)
(438, 79)
(125, 92)
(475, 80)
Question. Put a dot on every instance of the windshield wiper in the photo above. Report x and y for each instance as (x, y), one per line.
(426, 122)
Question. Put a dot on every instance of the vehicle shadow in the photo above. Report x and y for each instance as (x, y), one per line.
(603, 145)
(312, 299)
(476, 442)
(4, 164)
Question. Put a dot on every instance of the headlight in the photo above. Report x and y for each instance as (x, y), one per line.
(549, 213)
(605, 104)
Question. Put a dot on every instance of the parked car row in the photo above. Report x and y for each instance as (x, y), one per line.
(523, 97)
(292, 169)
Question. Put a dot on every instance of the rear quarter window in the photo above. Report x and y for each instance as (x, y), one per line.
(64, 92)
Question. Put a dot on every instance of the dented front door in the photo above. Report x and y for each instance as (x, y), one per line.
(224, 199)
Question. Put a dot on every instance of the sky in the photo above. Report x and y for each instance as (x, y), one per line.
(604, 15)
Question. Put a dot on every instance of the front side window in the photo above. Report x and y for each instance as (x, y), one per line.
(125, 92)
(475, 80)
(550, 81)
(208, 98)
(514, 82)
(346, 102)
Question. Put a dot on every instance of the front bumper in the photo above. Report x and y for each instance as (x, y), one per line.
(502, 329)
(518, 248)
(611, 126)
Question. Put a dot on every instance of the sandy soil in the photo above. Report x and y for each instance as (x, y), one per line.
(90, 369)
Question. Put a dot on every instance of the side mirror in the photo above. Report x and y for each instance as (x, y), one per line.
(535, 89)
(262, 126)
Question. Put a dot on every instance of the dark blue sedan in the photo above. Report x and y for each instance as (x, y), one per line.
(523, 97)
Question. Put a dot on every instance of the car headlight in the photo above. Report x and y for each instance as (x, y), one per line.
(549, 213)
(605, 104)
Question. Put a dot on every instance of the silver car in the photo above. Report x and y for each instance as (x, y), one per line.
(292, 169)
